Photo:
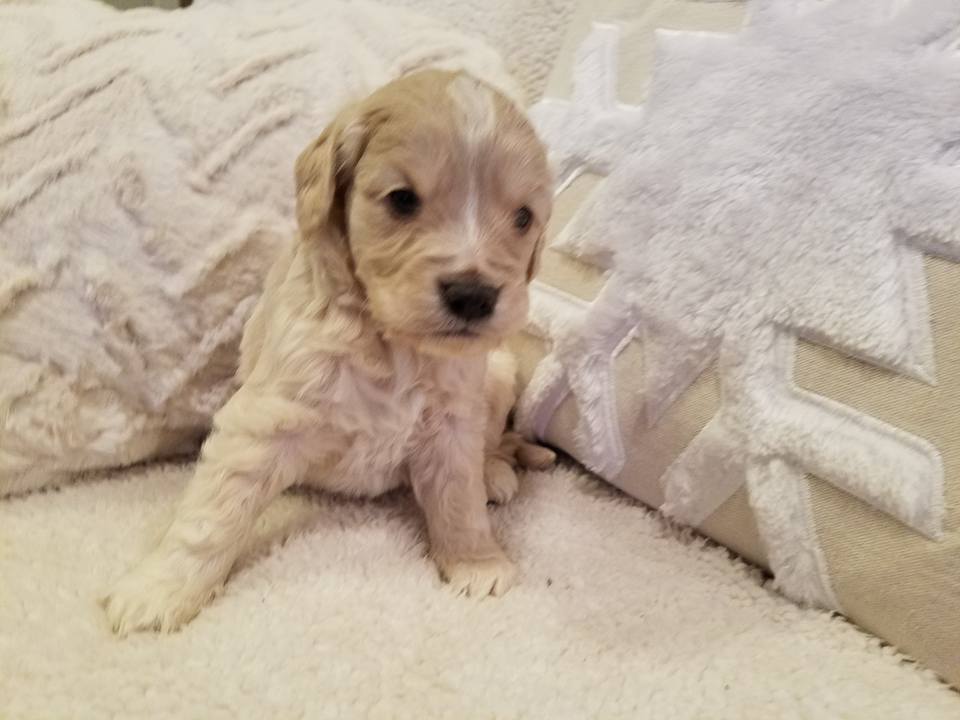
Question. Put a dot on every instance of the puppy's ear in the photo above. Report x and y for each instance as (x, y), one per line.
(323, 174)
(534, 265)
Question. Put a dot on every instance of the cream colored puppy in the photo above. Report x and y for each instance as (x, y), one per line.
(371, 361)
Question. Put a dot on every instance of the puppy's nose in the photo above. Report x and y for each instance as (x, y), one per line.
(469, 298)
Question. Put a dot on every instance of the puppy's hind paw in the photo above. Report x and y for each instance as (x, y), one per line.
(526, 454)
(535, 457)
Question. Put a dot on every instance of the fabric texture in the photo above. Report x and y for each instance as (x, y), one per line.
(336, 612)
(145, 183)
(528, 35)
(775, 209)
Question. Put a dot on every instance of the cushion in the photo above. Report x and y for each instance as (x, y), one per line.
(527, 34)
(750, 310)
(145, 183)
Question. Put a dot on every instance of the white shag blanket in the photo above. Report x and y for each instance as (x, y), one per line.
(336, 613)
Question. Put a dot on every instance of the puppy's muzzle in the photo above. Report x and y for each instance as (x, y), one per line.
(468, 297)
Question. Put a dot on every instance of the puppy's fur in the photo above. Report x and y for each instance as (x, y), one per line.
(358, 373)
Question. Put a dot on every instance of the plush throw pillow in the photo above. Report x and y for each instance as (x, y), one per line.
(145, 182)
(753, 319)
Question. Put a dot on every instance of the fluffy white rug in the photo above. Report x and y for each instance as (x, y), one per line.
(617, 615)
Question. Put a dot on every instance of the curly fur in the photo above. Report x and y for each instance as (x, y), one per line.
(355, 376)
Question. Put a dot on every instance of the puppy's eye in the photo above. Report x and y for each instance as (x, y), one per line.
(404, 202)
(522, 218)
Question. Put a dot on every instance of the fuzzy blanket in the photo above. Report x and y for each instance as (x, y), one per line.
(335, 612)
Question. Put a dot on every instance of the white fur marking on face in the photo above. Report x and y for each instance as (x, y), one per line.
(478, 122)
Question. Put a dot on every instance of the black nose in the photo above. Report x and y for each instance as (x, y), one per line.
(469, 298)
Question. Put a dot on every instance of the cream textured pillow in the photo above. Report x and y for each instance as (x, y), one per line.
(145, 182)
(752, 321)
(528, 34)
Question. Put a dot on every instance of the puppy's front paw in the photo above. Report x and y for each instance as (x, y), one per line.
(479, 578)
(154, 596)
(500, 479)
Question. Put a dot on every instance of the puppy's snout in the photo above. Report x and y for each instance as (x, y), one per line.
(469, 298)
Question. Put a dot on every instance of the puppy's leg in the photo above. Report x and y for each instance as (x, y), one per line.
(447, 478)
(505, 451)
(500, 393)
(250, 458)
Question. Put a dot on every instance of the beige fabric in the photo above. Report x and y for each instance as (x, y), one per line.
(561, 270)
(650, 451)
(888, 578)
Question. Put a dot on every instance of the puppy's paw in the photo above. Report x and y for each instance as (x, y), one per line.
(153, 596)
(479, 578)
(500, 479)
(535, 457)
(524, 453)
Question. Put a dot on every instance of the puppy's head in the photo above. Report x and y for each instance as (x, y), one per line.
(432, 196)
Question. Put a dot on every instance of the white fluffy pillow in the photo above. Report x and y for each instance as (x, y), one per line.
(145, 182)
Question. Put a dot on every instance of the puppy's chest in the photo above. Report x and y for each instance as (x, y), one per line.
(381, 421)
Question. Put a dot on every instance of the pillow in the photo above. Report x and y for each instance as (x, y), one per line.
(145, 184)
(752, 320)
(528, 34)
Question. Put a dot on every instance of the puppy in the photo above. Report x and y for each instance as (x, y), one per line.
(372, 359)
